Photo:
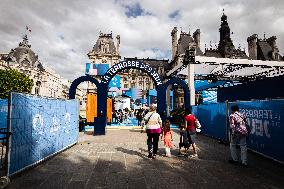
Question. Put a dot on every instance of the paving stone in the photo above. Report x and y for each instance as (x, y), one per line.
(76, 185)
(57, 180)
(119, 160)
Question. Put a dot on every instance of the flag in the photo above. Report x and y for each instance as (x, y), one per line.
(29, 29)
(136, 93)
(90, 70)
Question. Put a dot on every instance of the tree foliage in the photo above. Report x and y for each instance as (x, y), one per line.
(12, 80)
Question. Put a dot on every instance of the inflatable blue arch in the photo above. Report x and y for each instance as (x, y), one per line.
(103, 86)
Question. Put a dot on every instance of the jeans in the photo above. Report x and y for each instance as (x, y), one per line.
(243, 145)
(152, 142)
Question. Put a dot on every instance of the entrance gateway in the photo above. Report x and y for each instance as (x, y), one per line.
(103, 87)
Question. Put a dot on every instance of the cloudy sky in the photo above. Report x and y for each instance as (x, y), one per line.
(64, 31)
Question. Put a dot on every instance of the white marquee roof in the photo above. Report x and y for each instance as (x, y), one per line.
(233, 69)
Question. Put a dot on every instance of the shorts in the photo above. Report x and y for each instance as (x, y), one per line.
(192, 137)
(184, 142)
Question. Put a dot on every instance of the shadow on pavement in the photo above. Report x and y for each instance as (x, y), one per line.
(119, 160)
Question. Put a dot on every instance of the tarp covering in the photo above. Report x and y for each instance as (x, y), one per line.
(213, 119)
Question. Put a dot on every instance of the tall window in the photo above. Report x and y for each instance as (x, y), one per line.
(37, 87)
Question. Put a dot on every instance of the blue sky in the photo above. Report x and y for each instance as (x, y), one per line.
(64, 31)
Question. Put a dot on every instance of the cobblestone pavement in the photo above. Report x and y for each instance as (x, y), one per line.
(119, 160)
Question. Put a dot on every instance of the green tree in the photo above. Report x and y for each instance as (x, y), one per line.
(15, 81)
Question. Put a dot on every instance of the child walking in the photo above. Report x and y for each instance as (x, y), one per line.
(168, 136)
(183, 140)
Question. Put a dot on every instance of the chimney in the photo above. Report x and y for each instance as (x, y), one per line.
(275, 51)
(196, 36)
(174, 42)
(118, 43)
(252, 46)
(272, 41)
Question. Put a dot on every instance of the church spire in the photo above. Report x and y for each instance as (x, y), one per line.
(225, 38)
(25, 42)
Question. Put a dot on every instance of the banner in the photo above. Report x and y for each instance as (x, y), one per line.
(115, 82)
(100, 69)
(111, 72)
(90, 69)
(41, 127)
(267, 128)
(136, 93)
(209, 97)
(96, 69)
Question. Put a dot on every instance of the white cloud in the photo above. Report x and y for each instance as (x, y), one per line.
(63, 32)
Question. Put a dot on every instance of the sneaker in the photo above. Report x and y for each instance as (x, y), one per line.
(233, 162)
(154, 156)
(244, 165)
(193, 156)
(150, 155)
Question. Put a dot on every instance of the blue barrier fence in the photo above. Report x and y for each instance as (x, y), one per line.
(212, 117)
(264, 118)
(40, 128)
(3, 115)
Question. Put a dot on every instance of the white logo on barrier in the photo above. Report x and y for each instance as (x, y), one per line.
(4, 109)
(38, 123)
(67, 122)
(56, 125)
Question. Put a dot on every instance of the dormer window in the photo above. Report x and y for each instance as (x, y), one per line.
(25, 63)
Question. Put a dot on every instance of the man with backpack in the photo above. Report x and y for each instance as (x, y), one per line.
(239, 132)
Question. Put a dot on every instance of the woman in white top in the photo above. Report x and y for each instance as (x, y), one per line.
(153, 123)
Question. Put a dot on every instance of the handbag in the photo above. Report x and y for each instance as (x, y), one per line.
(197, 124)
(146, 122)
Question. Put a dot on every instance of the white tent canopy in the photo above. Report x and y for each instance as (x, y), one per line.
(232, 69)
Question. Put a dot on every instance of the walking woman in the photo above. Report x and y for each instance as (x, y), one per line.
(153, 123)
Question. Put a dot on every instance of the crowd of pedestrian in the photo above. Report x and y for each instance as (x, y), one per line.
(153, 125)
(121, 115)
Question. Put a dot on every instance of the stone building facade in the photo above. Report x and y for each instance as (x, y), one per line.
(46, 82)
(263, 49)
(106, 51)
